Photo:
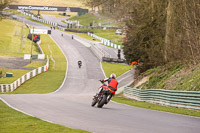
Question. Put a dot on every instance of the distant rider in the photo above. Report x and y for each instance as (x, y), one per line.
(112, 84)
(79, 64)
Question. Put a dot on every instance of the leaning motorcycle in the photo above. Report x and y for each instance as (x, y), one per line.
(103, 97)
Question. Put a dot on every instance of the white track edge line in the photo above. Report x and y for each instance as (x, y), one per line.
(66, 71)
(23, 111)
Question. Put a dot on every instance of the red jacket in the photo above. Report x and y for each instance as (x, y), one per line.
(112, 83)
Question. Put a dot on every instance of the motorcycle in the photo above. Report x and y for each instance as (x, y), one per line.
(79, 64)
(103, 97)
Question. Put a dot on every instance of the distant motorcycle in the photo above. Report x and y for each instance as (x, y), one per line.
(79, 64)
(103, 97)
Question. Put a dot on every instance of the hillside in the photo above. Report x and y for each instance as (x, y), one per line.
(67, 3)
(172, 77)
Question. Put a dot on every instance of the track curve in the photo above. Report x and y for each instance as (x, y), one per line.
(70, 105)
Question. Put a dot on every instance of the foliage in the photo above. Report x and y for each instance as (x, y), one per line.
(146, 34)
(4, 4)
(160, 75)
(158, 31)
(173, 76)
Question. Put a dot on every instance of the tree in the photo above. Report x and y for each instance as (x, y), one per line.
(147, 31)
(3, 5)
(159, 31)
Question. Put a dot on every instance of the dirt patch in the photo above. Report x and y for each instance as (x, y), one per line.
(140, 82)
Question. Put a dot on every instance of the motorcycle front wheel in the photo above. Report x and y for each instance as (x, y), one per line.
(94, 102)
(102, 102)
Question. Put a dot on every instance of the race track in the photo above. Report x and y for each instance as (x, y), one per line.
(70, 105)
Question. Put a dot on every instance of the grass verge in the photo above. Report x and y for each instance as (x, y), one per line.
(107, 34)
(10, 39)
(39, 22)
(16, 74)
(123, 100)
(118, 69)
(52, 79)
(35, 64)
(12, 121)
(90, 18)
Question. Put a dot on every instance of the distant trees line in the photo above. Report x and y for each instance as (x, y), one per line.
(158, 31)
(3, 4)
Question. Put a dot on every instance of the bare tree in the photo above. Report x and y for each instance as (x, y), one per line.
(3, 5)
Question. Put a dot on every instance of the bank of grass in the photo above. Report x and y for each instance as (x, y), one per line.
(56, 13)
(107, 34)
(120, 99)
(10, 39)
(35, 64)
(12, 121)
(52, 79)
(16, 74)
(14, 12)
(39, 22)
(118, 69)
(83, 35)
(62, 3)
(173, 76)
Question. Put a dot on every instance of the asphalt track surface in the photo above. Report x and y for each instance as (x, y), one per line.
(70, 105)
(109, 51)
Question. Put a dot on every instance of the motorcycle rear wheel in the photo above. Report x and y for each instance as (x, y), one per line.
(102, 102)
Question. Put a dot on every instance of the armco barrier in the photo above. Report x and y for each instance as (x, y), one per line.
(184, 99)
(108, 59)
(24, 78)
(105, 41)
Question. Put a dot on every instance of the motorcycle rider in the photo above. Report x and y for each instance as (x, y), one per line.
(112, 84)
(79, 64)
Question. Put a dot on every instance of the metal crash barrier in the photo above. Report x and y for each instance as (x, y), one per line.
(184, 99)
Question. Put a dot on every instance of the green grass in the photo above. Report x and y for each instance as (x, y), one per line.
(35, 64)
(173, 77)
(10, 39)
(107, 34)
(54, 76)
(56, 13)
(189, 80)
(16, 74)
(83, 35)
(118, 69)
(14, 12)
(146, 105)
(88, 18)
(39, 22)
(12, 121)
